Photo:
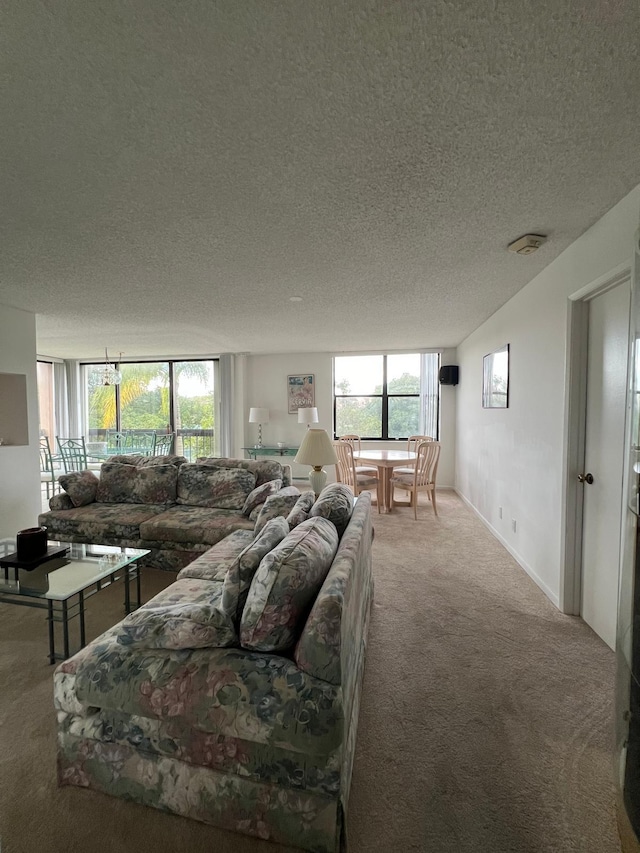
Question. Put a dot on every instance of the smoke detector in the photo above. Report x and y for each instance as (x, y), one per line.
(527, 244)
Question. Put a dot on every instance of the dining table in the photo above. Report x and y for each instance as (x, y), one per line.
(385, 461)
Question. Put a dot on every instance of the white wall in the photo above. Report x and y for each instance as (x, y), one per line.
(19, 465)
(513, 457)
(265, 384)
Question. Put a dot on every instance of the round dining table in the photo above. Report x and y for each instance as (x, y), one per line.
(385, 461)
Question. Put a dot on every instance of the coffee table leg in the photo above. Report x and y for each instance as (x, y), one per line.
(81, 614)
(139, 600)
(127, 596)
(52, 638)
(65, 629)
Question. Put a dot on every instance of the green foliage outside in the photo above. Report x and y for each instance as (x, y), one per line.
(363, 415)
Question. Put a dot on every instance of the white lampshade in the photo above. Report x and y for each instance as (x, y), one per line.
(258, 416)
(316, 450)
(308, 416)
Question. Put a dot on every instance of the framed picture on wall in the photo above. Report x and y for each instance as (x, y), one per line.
(301, 392)
(495, 379)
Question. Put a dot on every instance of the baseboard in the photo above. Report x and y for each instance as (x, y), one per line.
(521, 562)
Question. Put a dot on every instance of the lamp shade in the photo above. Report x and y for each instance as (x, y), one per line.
(258, 416)
(308, 416)
(316, 449)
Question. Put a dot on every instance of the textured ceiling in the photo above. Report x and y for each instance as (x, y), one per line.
(172, 172)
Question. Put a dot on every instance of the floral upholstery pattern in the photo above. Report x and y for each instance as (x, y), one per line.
(194, 524)
(301, 508)
(187, 615)
(249, 741)
(264, 469)
(258, 496)
(215, 562)
(335, 502)
(285, 586)
(103, 523)
(122, 483)
(279, 504)
(219, 488)
(141, 461)
(238, 579)
(80, 486)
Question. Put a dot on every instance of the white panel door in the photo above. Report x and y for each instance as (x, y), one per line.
(604, 455)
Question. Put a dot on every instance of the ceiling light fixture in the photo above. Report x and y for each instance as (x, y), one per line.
(110, 374)
(527, 244)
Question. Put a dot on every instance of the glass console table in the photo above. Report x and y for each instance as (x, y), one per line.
(254, 452)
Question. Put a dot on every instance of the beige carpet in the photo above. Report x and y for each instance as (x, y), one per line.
(485, 725)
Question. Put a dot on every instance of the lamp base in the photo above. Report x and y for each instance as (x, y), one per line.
(317, 479)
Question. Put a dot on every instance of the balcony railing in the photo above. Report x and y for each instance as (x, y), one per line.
(189, 442)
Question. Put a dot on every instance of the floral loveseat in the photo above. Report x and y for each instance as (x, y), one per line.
(232, 697)
(171, 507)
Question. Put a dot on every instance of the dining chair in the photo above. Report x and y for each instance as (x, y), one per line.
(73, 453)
(422, 479)
(163, 444)
(356, 445)
(49, 472)
(412, 446)
(346, 472)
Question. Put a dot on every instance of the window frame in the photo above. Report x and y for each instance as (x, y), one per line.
(385, 396)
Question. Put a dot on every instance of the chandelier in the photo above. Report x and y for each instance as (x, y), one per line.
(110, 374)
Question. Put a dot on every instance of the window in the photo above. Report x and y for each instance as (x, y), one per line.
(155, 396)
(386, 396)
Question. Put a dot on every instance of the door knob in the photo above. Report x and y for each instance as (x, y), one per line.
(585, 478)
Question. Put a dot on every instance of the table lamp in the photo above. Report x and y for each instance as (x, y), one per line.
(316, 450)
(308, 416)
(259, 416)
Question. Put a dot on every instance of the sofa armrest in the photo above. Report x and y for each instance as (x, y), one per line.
(61, 501)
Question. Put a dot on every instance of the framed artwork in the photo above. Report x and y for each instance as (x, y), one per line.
(301, 393)
(495, 379)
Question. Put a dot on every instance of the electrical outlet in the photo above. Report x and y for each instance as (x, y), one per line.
(513, 524)
(499, 512)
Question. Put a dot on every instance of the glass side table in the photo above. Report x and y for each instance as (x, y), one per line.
(254, 452)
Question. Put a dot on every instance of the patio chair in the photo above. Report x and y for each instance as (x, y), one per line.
(73, 453)
(346, 472)
(49, 471)
(163, 444)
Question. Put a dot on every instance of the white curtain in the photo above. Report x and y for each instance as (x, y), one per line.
(74, 400)
(226, 372)
(429, 394)
(60, 402)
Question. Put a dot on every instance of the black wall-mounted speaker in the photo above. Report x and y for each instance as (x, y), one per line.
(448, 374)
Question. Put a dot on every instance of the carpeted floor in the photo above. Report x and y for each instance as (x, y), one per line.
(486, 720)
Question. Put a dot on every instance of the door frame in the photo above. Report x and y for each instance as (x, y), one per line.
(575, 432)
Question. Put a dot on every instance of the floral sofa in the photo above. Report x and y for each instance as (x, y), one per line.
(232, 697)
(165, 504)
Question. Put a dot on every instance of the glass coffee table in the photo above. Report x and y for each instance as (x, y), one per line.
(62, 584)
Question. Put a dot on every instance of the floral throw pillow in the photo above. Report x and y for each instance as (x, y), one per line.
(286, 585)
(81, 486)
(259, 495)
(279, 504)
(334, 502)
(300, 511)
(240, 573)
(219, 488)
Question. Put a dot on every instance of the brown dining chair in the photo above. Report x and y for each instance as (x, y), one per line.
(346, 472)
(422, 479)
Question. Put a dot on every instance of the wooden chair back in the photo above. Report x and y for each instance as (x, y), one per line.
(414, 440)
(428, 455)
(345, 469)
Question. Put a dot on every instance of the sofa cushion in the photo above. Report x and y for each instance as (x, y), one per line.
(99, 522)
(186, 615)
(219, 488)
(81, 486)
(258, 496)
(300, 511)
(214, 563)
(123, 483)
(335, 502)
(241, 571)
(279, 504)
(194, 524)
(285, 586)
(264, 469)
(147, 461)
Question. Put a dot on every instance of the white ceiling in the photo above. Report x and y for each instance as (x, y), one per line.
(172, 172)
